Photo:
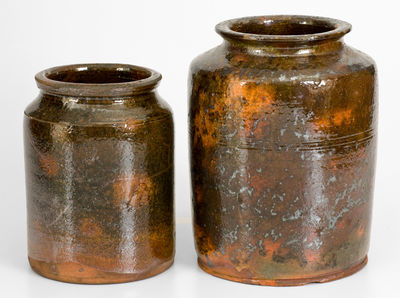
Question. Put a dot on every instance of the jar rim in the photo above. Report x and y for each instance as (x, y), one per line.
(271, 29)
(97, 80)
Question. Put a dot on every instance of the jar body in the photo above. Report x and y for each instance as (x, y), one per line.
(283, 158)
(99, 181)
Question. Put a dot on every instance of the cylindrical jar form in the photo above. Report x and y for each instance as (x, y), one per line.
(99, 174)
(283, 139)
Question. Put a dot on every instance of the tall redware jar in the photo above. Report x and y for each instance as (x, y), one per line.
(99, 174)
(283, 140)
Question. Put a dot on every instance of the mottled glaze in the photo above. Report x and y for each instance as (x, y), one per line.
(283, 140)
(99, 174)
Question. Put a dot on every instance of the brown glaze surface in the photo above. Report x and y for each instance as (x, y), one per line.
(283, 141)
(99, 175)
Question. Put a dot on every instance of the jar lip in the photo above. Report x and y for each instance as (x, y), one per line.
(311, 28)
(97, 80)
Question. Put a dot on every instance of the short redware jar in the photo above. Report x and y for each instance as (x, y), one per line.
(283, 119)
(99, 174)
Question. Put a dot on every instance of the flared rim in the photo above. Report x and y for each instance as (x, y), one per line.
(97, 80)
(271, 29)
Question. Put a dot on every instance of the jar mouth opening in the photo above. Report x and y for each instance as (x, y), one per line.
(97, 80)
(282, 28)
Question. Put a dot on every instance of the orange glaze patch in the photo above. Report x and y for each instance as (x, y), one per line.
(258, 98)
(238, 58)
(49, 165)
(360, 231)
(339, 225)
(273, 247)
(242, 259)
(90, 228)
(233, 261)
(251, 100)
(133, 190)
(338, 118)
(342, 117)
(311, 256)
(321, 124)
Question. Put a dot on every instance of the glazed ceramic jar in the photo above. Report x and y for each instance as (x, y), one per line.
(99, 174)
(283, 139)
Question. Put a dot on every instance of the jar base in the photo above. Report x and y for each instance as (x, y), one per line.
(288, 282)
(72, 272)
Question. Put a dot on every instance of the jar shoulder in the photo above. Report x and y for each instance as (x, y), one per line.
(222, 62)
(87, 112)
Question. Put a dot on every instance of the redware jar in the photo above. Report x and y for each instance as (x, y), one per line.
(283, 139)
(99, 174)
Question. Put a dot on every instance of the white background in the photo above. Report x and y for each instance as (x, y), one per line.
(167, 35)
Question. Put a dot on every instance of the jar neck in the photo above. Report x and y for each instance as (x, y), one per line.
(284, 35)
(285, 49)
(97, 81)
